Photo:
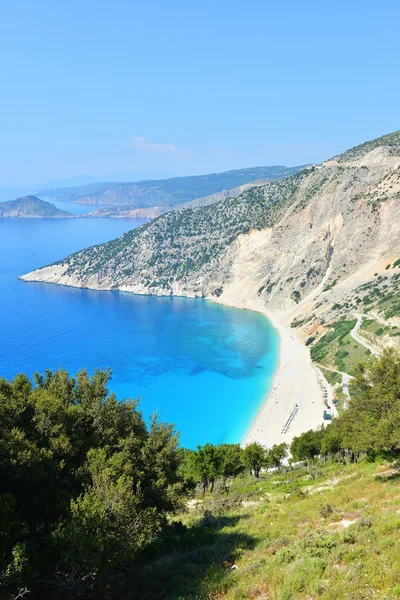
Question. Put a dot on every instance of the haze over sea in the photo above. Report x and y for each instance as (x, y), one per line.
(204, 367)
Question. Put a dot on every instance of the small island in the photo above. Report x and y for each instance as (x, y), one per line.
(33, 208)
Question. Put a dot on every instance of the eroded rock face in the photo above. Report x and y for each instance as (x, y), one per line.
(295, 245)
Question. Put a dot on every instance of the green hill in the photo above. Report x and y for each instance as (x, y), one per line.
(319, 248)
(167, 192)
(194, 250)
(95, 503)
(31, 207)
(324, 532)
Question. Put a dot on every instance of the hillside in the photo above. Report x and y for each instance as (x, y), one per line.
(296, 244)
(31, 207)
(157, 211)
(320, 250)
(127, 212)
(97, 503)
(167, 192)
(218, 196)
(327, 532)
(174, 249)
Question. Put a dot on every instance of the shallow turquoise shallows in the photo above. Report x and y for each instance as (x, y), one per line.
(204, 367)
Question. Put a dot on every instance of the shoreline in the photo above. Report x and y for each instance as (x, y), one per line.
(294, 403)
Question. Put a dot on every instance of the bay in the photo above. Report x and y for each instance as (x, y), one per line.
(202, 366)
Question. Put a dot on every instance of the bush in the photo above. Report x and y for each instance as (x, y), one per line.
(86, 485)
(326, 510)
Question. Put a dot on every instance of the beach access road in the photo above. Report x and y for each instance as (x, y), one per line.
(360, 340)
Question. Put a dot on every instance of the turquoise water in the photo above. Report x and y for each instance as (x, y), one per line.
(204, 367)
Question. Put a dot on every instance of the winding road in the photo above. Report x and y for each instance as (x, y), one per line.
(345, 376)
(360, 340)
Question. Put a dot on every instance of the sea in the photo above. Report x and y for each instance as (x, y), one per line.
(204, 367)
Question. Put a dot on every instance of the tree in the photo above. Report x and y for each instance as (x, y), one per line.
(110, 522)
(254, 457)
(276, 455)
(375, 406)
(206, 464)
(230, 460)
(307, 445)
(369, 425)
(86, 485)
(209, 462)
(331, 442)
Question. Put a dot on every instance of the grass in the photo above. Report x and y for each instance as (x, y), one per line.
(378, 334)
(383, 297)
(283, 537)
(338, 350)
(376, 328)
(332, 378)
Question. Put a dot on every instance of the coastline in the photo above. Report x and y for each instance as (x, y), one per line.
(295, 398)
(294, 403)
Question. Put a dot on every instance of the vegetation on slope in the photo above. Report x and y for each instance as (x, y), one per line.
(92, 501)
(326, 529)
(382, 295)
(186, 241)
(168, 191)
(323, 228)
(85, 485)
(338, 350)
(378, 302)
(30, 206)
(391, 141)
(373, 330)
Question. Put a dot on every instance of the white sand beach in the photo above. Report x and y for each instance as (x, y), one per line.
(295, 401)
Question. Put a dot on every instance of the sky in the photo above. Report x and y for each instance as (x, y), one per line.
(184, 87)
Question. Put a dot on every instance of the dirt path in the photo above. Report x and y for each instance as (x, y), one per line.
(360, 340)
(328, 389)
(345, 381)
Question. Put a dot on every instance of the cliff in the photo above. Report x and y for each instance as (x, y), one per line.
(320, 251)
(283, 242)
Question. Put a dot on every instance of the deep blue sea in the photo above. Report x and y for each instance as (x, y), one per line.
(204, 367)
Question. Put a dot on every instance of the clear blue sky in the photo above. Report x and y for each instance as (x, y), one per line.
(184, 87)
